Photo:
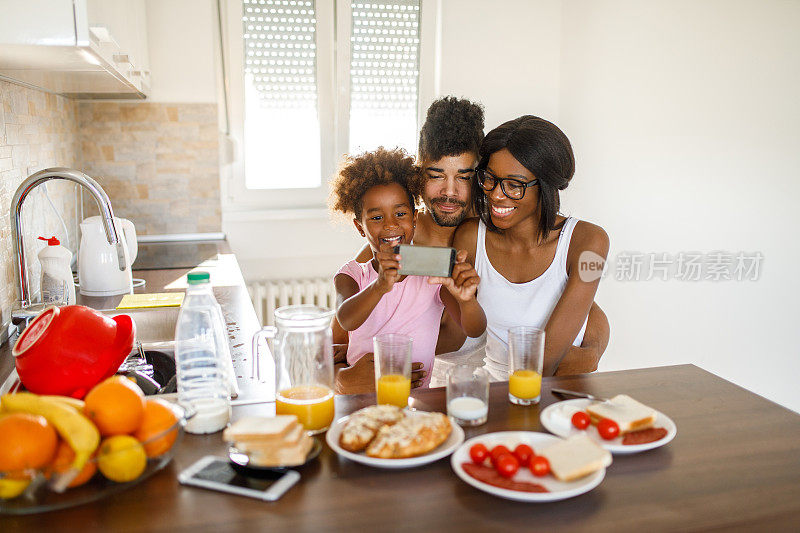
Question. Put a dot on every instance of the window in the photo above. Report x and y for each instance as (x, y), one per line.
(280, 95)
(311, 80)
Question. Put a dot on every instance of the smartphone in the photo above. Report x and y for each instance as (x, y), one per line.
(216, 473)
(426, 260)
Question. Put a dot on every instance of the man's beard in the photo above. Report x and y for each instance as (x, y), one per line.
(448, 220)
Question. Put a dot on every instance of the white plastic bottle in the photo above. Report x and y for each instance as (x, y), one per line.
(201, 354)
(57, 285)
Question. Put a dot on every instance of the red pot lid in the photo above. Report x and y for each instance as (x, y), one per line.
(34, 331)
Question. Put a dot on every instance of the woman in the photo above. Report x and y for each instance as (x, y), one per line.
(528, 260)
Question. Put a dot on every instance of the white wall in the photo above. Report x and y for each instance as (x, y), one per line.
(684, 119)
(503, 54)
(182, 48)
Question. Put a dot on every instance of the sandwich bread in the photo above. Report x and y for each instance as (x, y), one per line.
(576, 457)
(270, 441)
(629, 414)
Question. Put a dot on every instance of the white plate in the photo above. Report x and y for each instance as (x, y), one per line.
(559, 490)
(557, 419)
(443, 450)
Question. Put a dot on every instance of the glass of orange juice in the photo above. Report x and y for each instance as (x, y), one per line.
(392, 368)
(525, 357)
(303, 354)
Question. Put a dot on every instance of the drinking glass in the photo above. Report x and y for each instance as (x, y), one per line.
(468, 395)
(392, 368)
(303, 357)
(525, 356)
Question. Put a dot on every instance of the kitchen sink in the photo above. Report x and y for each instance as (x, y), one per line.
(155, 327)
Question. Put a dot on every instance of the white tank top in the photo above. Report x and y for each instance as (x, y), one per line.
(509, 304)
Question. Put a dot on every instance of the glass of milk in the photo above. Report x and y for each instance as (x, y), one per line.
(468, 395)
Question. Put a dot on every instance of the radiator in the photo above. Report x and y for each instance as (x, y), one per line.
(270, 295)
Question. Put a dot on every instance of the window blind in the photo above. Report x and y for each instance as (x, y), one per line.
(280, 51)
(384, 73)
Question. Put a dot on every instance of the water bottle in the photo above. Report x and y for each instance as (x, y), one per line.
(202, 358)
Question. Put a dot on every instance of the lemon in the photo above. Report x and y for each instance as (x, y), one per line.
(121, 458)
(11, 488)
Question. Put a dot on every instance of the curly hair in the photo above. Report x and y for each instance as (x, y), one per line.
(452, 126)
(358, 174)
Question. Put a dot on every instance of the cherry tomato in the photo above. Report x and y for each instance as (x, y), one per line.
(507, 465)
(496, 452)
(523, 453)
(608, 429)
(478, 453)
(539, 466)
(580, 420)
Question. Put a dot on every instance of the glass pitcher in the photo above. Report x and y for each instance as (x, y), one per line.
(303, 355)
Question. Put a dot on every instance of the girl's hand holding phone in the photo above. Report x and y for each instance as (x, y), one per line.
(463, 282)
(388, 264)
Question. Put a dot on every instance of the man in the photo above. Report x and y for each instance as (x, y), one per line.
(448, 155)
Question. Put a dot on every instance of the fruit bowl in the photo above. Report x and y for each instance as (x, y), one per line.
(121, 459)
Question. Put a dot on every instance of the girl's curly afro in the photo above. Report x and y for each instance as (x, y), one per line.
(358, 174)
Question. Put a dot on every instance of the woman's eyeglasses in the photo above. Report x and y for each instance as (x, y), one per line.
(512, 188)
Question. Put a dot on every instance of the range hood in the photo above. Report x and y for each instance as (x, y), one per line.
(51, 45)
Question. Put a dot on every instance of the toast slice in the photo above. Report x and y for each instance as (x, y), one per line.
(629, 414)
(261, 428)
(291, 439)
(283, 456)
(576, 457)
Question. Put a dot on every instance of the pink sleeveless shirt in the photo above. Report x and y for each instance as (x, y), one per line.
(413, 307)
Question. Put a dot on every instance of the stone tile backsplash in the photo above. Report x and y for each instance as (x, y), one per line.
(158, 163)
(37, 130)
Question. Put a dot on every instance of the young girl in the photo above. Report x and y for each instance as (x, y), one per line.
(373, 297)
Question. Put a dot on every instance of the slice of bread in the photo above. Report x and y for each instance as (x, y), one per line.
(576, 457)
(261, 428)
(291, 439)
(283, 456)
(629, 414)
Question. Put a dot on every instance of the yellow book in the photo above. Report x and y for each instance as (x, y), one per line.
(156, 299)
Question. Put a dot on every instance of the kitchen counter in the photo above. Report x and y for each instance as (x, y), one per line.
(230, 291)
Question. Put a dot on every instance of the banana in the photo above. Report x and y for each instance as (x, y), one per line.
(72, 402)
(77, 430)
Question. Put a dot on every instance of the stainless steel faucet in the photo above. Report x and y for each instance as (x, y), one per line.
(25, 309)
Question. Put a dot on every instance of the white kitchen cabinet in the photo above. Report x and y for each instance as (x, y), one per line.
(78, 48)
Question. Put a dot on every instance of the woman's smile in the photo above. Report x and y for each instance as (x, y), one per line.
(500, 211)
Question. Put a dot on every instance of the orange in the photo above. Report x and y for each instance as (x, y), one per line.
(26, 442)
(116, 406)
(62, 462)
(154, 432)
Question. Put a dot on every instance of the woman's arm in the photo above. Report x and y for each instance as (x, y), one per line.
(585, 358)
(567, 318)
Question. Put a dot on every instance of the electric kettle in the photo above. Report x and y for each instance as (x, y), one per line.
(99, 270)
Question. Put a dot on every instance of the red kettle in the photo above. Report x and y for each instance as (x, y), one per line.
(68, 350)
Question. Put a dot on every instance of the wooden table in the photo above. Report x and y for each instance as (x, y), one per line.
(735, 463)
